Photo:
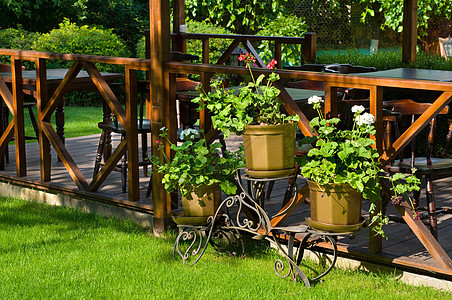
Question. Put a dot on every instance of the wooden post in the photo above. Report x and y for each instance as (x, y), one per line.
(132, 134)
(409, 31)
(308, 48)
(179, 44)
(160, 55)
(42, 99)
(18, 105)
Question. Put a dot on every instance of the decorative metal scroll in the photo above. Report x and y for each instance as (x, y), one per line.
(241, 213)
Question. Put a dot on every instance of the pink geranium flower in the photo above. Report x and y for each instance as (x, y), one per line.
(271, 65)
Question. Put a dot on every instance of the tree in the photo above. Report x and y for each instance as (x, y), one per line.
(389, 14)
(430, 14)
(240, 16)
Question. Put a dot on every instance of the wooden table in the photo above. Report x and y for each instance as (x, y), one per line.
(407, 73)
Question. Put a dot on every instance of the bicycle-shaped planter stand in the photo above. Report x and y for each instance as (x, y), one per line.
(242, 213)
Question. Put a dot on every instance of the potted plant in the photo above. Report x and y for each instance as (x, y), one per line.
(198, 171)
(342, 167)
(255, 111)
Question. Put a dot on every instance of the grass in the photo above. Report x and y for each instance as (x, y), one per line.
(60, 253)
(79, 121)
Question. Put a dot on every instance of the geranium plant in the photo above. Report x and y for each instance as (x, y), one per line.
(196, 164)
(348, 156)
(256, 103)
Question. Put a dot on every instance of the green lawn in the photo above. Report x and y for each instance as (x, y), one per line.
(59, 253)
(79, 121)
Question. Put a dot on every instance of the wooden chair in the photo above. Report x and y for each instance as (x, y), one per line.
(27, 105)
(442, 51)
(111, 125)
(307, 84)
(428, 166)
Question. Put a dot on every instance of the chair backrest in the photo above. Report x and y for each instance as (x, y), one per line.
(307, 84)
(348, 69)
(412, 109)
(307, 67)
(442, 44)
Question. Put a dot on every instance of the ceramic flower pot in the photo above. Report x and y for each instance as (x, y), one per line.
(334, 207)
(270, 150)
(205, 201)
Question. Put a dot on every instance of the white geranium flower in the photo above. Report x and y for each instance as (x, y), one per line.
(365, 119)
(163, 128)
(315, 100)
(189, 134)
(357, 109)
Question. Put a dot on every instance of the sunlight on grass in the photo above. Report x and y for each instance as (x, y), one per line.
(60, 253)
(79, 121)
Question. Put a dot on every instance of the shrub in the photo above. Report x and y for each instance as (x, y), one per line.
(17, 39)
(70, 38)
(384, 60)
(217, 46)
(284, 25)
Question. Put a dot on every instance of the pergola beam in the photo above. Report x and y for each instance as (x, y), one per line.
(409, 30)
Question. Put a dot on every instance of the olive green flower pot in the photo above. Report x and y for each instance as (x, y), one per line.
(270, 150)
(205, 201)
(335, 207)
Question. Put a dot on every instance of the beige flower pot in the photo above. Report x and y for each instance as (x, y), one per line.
(205, 201)
(270, 150)
(334, 206)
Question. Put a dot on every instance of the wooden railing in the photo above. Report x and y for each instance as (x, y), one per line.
(49, 98)
(48, 101)
(307, 43)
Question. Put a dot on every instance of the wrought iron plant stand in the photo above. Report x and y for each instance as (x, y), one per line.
(244, 213)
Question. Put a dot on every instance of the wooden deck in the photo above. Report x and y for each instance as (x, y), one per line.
(402, 249)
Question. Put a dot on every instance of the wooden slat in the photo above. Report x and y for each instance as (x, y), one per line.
(424, 235)
(106, 92)
(6, 94)
(132, 134)
(292, 108)
(18, 119)
(281, 39)
(108, 167)
(253, 51)
(42, 100)
(205, 51)
(224, 57)
(278, 55)
(338, 80)
(417, 126)
(409, 42)
(6, 137)
(290, 207)
(61, 90)
(64, 155)
(139, 64)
